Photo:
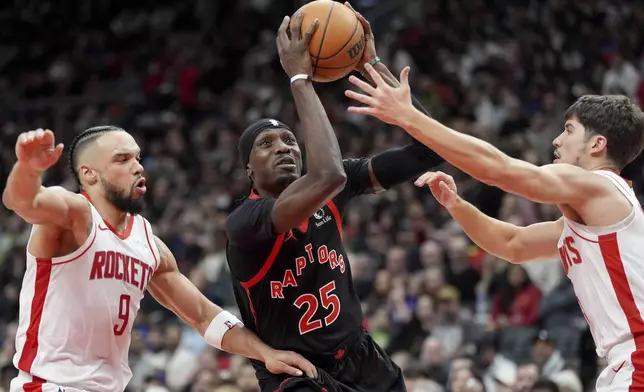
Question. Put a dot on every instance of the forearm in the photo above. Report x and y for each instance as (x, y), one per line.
(239, 340)
(491, 235)
(23, 185)
(473, 156)
(323, 156)
(398, 165)
(236, 340)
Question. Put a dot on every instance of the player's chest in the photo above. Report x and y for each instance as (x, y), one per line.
(578, 254)
(311, 252)
(120, 265)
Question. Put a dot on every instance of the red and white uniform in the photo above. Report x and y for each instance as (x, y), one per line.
(77, 311)
(606, 267)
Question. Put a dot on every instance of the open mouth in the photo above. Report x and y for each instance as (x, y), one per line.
(286, 162)
(140, 186)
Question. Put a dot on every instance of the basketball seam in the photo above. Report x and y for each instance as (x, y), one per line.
(343, 45)
(344, 66)
(326, 26)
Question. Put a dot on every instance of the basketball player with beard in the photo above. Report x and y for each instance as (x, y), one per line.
(90, 258)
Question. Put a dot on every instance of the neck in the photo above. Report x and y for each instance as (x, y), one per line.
(605, 166)
(110, 214)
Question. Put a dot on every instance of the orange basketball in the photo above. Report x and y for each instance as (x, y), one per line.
(338, 43)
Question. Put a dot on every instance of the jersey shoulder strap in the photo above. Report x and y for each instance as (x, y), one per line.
(621, 184)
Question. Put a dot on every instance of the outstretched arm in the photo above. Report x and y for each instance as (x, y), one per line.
(218, 327)
(507, 241)
(395, 166)
(325, 175)
(555, 184)
(26, 196)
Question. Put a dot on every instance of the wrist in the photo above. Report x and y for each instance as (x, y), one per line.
(26, 169)
(457, 205)
(409, 118)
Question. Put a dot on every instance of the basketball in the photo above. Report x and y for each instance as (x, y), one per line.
(338, 43)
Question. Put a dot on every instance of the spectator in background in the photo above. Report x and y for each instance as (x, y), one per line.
(544, 385)
(546, 355)
(517, 302)
(452, 325)
(460, 273)
(527, 375)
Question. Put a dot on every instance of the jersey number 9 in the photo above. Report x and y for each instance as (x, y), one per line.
(124, 315)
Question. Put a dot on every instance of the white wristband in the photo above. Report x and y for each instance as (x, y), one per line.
(222, 323)
(300, 77)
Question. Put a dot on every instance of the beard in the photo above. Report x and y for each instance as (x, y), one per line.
(121, 200)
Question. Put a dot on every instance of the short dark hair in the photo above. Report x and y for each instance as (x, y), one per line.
(81, 141)
(616, 118)
(544, 383)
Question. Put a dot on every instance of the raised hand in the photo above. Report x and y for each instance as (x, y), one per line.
(38, 149)
(294, 52)
(389, 104)
(442, 186)
(288, 362)
(370, 41)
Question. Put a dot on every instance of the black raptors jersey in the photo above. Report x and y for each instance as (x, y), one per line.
(295, 290)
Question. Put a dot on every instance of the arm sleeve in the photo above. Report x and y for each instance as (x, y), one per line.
(251, 222)
(398, 165)
(358, 181)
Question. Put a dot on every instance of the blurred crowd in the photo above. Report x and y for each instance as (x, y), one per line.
(186, 77)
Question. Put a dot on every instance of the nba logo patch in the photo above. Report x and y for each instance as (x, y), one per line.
(228, 324)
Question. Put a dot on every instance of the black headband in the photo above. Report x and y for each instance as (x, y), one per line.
(250, 134)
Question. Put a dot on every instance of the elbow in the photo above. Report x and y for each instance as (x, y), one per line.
(333, 181)
(7, 200)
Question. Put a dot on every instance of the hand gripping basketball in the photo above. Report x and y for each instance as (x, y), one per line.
(442, 186)
(294, 53)
(38, 149)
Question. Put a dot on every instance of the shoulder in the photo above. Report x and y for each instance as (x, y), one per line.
(253, 216)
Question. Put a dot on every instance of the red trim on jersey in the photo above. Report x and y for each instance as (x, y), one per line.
(147, 237)
(267, 264)
(30, 348)
(35, 385)
(336, 216)
(581, 236)
(615, 267)
(81, 254)
(253, 195)
(128, 228)
(250, 302)
(629, 182)
(128, 225)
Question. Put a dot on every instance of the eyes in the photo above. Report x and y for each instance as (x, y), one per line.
(122, 158)
(268, 142)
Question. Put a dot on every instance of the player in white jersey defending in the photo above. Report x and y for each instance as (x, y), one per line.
(90, 258)
(600, 237)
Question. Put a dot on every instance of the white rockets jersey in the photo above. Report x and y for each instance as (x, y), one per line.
(606, 267)
(77, 311)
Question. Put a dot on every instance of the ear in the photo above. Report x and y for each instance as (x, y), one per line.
(598, 144)
(88, 175)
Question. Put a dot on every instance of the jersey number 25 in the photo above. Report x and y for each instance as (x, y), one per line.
(327, 299)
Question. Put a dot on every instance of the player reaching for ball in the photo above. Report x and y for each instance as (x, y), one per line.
(600, 237)
(291, 275)
(90, 258)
